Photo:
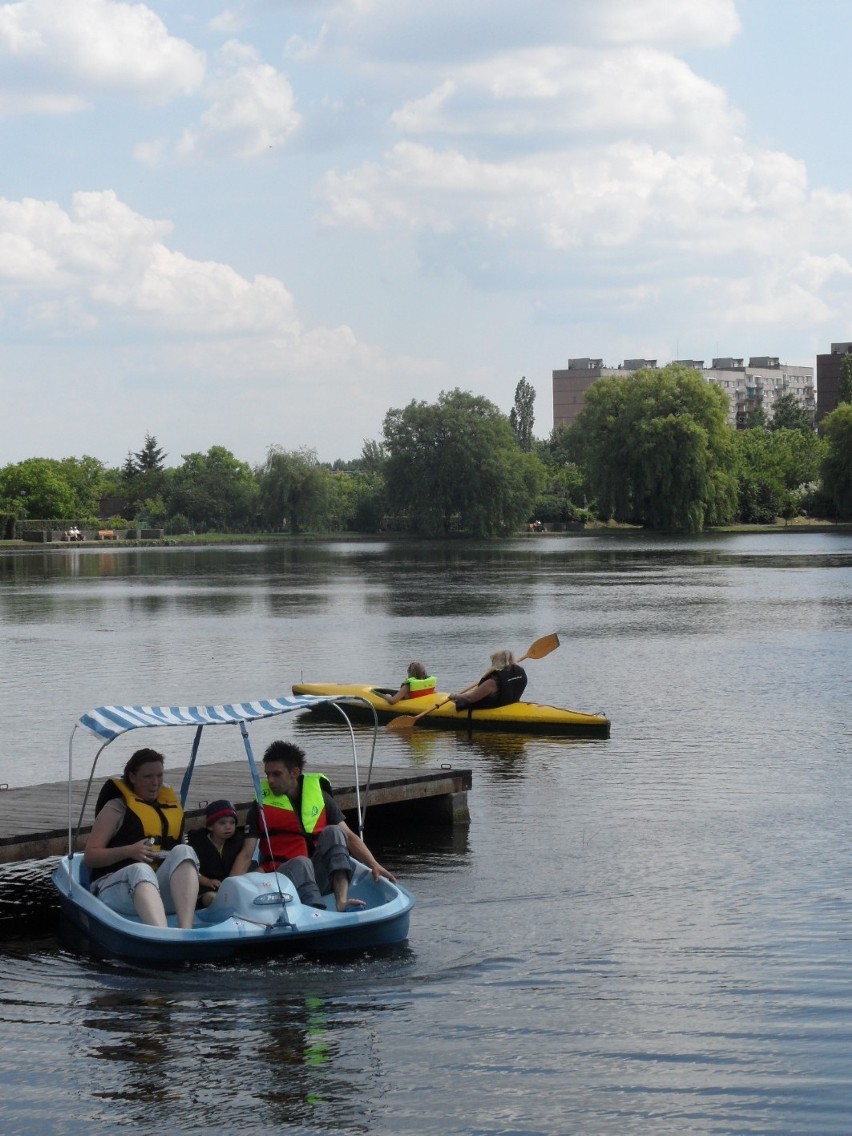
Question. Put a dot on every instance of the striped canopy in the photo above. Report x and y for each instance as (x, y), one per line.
(108, 722)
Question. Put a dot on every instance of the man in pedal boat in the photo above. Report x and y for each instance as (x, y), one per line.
(302, 832)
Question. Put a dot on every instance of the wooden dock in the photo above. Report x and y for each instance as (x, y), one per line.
(34, 820)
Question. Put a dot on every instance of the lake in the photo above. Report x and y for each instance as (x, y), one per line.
(644, 934)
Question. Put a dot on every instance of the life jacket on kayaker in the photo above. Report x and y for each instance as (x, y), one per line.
(418, 687)
(504, 683)
(511, 684)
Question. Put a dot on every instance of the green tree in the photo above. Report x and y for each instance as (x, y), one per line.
(844, 392)
(789, 414)
(373, 457)
(145, 476)
(455, 465)
(37, 488)
(522, 416)
(837, 466)
(657, 449)
(294, 488)
(90, 481)
(215, 492)
(151, 458)
(565, 494)
(757, 419)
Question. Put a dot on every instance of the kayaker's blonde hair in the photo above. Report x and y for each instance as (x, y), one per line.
(416, 670)
(501, 659)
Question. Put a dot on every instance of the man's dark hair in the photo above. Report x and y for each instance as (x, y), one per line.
(287, 753)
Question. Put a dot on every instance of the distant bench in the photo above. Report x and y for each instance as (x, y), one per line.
(106, 534)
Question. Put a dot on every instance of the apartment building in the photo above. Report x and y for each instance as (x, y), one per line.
(748, 386)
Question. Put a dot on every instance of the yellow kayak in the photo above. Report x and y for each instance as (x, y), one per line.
(519, 717)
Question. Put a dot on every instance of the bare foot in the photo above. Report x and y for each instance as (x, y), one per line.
(350, 904)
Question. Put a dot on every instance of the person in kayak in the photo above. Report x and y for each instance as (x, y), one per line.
(303, 834)
(139, 863)
(416, 685)
(501, 685)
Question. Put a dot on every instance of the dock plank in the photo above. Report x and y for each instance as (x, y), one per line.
(34, 819)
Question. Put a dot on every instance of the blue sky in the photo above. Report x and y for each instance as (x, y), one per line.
(268, 222)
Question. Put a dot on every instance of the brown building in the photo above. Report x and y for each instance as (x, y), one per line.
(828, 378)
(569, 387)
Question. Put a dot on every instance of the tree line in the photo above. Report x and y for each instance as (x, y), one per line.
(653, 449)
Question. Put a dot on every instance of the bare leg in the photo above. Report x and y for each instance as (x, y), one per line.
(149, 905)
(184, 887)
(340, 884)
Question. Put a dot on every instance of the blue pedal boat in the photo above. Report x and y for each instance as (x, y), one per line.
(256, 913)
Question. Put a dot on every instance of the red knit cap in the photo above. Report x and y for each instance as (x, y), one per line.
(218, 809)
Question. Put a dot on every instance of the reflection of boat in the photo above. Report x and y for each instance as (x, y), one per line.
(519, 717)
(254, 913)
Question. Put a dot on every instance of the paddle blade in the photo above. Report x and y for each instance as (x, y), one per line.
(542, 647)
(401, 722)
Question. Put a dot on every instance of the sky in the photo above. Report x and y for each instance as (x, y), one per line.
(269, 222)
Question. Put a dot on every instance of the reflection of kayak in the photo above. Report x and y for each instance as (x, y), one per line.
(519, 717)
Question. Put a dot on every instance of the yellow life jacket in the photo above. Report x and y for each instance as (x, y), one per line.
(163, 820)
(417, 687)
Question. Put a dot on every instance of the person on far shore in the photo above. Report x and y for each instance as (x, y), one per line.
(501, 685)
(416, 685)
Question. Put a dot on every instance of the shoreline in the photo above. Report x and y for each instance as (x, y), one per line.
(211, 540)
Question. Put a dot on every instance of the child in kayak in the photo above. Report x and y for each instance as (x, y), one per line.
(417, 684)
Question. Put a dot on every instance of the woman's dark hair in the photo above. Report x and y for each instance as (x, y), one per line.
(141, 757)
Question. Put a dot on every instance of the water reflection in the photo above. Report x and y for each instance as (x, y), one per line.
(283, 1060)
(645, 933)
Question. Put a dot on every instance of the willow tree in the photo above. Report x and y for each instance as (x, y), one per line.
(658, 450)
(294, 489)
(455, 465)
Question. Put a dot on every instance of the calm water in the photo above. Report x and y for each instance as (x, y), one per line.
(649, 934)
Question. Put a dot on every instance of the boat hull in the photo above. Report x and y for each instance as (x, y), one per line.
(258, 913)
(519, 717)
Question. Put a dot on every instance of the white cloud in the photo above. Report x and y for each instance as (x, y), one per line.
(197, 333)
(444, 30)
(251, 109)
(541, 96)
(55, 53)
(230, 21)
(103, 255)
(596, 154)
(100, 265)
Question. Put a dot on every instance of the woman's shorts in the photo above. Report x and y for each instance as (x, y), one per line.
(116, 890)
